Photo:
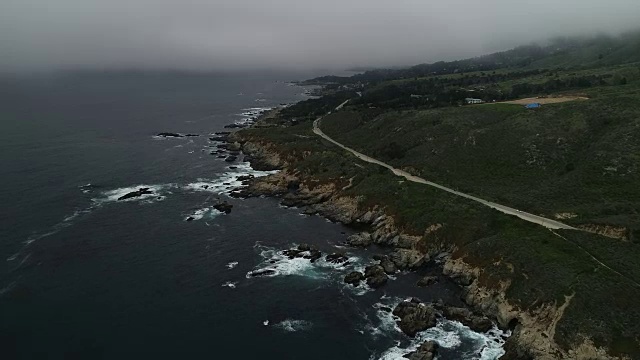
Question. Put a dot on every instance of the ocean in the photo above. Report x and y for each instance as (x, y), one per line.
(89, 276)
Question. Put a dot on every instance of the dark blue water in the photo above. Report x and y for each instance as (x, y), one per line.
(87, 276)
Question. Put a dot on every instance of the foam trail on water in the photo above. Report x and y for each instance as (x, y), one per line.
(66, 222)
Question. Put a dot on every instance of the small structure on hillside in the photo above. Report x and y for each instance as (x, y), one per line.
(533, 106)
(473, 101)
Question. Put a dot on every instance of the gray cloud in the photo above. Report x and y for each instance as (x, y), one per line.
(243, 34)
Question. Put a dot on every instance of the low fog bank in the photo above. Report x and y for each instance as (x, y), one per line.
(192, 35)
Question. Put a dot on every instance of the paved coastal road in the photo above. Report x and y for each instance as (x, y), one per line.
(548, 223)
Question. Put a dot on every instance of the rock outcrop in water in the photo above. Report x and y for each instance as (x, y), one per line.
(169, 134)
(426, 351)
(375, 276)
(415, 316)
(386, 263)
(261, 272)
(304, 251)
(337, 258)
(135, 194)
(354, 278)
(224, 207)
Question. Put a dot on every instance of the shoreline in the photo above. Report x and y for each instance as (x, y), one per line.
(374, 222)
(532, 331)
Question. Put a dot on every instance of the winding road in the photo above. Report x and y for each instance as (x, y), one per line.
(536, 219)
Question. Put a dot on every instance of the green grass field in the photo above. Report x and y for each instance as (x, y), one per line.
(580, 158)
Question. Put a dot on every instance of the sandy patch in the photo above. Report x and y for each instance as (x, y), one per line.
(547, 100)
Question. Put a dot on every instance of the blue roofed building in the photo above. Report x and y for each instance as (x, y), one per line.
(533, 106)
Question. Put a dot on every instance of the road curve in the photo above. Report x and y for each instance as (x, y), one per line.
(548, 223)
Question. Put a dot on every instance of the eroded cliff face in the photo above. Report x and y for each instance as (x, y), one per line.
(614, 232)
(533, 330)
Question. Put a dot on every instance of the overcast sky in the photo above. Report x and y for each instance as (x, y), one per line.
(243, 34)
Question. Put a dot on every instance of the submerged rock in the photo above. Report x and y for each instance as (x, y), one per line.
(137, 193)
(306, 247)
(231, 158)
(261, 272)
(427, 280)
(169, 134)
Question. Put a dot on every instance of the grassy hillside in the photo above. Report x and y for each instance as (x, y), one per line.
(578, 157)
(578, 161)
(543, 268)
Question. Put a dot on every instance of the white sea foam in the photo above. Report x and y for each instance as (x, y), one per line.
(157, 194)
(448, 334)
(230, 284)
(280, 265)
(206, 212)
(275, 263)
(294, 325)
(250, 115)
(232, 264)
(227, 182)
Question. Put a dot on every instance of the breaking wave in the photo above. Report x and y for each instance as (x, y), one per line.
(206, 212)
(227, 182)
(280, 264)
(157, 193)
(448, 334)
(294, 325)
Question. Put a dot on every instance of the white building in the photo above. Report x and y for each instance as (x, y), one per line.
(473, 101)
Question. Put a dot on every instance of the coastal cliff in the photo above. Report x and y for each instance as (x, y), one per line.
(533, 327)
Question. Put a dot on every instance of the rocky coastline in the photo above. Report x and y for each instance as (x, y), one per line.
(532, 331)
